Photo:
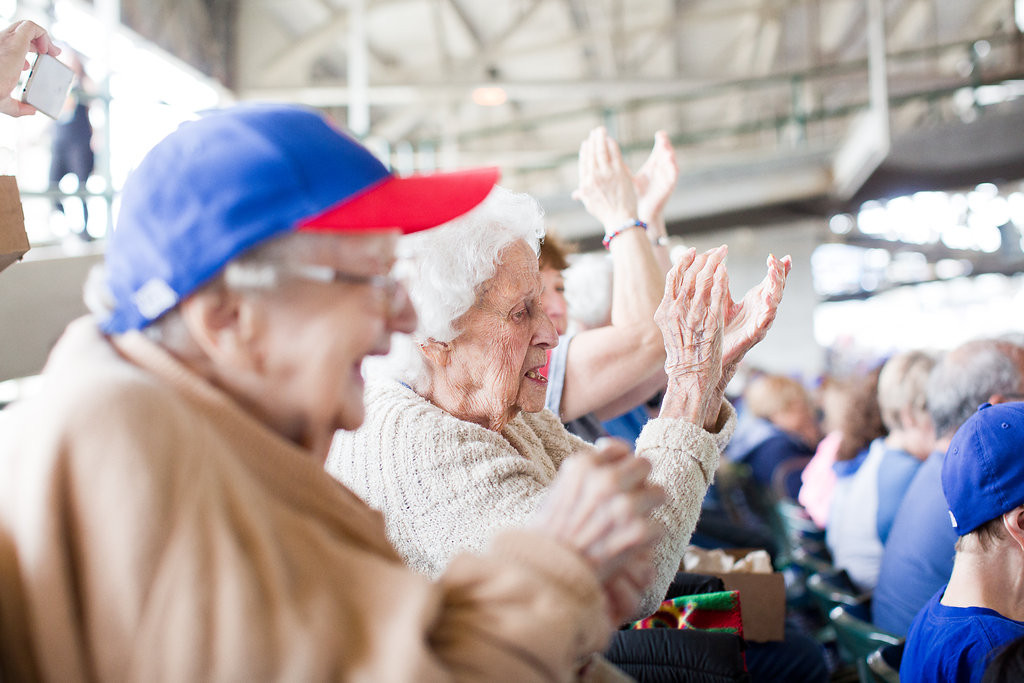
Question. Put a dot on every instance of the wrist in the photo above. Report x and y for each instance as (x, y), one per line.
(657, 231)
(728, 372)
(630, 224)
(684, 399)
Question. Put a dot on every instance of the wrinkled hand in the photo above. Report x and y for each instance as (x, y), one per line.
(656, 179)
(15, 42)
(747, 322)
(600, 505)
(606, 185)
(625, 590)
(692, 318)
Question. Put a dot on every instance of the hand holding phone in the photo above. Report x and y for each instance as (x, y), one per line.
(16, 41)
(48, 85)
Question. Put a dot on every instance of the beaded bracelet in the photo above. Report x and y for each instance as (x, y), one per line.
(628, 226)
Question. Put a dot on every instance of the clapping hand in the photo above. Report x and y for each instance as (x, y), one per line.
(692, 317)
(748, 321)
(606, 184)
(600, 505)
(656, 179)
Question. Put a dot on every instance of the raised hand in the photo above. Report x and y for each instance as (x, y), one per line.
(656, 179)
(606, 184)
(600, 505)
(748, 321)
(692, 318)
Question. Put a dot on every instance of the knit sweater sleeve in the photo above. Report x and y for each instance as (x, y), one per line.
(684, 458)
(444, 485)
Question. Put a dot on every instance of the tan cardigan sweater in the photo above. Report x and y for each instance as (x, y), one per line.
(152, 530)
(446, 485)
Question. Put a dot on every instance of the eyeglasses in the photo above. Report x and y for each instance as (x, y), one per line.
(386, 285)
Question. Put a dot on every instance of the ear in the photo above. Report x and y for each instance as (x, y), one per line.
(1013, 522)
(436, 352)
(907, 417)
(225, 325)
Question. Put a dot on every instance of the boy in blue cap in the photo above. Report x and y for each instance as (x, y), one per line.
(982, 606)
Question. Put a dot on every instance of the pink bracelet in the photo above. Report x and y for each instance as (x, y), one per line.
(628, 226)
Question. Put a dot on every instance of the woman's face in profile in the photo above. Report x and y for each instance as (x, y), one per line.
(501, 348)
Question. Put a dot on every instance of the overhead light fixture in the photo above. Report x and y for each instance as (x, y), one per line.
(490, 96)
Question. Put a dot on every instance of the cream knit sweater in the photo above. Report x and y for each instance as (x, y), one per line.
(446, 485)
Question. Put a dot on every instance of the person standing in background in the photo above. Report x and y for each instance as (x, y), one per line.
(16, 41)
(71, 150)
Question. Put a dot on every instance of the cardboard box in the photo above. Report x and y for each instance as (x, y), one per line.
(762, 599)
(13, 240)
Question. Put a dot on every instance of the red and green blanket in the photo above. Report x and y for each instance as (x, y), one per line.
(718, 612)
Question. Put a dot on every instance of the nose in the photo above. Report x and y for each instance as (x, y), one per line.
(545, 335)
(402, 315)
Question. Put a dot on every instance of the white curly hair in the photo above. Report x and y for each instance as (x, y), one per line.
(445, 268)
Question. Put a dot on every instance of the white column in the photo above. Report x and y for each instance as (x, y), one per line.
(358, 70)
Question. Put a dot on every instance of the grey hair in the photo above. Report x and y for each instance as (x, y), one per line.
(248, 271)
(444, 268)
(967, 376)
(588, 289)
(902, 383)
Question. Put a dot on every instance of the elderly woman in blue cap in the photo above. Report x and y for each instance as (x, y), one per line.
(164, 513)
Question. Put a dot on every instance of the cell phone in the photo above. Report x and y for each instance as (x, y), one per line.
(47, 85)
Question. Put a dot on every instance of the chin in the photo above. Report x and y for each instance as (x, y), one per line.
(352, 415)
(531, 400)
(532, 406)
(350, 424)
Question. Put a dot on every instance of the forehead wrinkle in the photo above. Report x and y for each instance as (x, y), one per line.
(509, 286)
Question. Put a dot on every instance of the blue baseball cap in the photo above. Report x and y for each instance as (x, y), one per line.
(983, 472)
(240, 176)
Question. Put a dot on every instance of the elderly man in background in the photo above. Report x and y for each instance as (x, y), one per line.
(918, 555)
(874, 483)
(981, 609)
(164, 513)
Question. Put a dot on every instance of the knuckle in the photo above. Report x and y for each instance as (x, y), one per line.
(621, 506)
(606, 479)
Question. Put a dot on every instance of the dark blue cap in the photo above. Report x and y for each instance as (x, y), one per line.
(983, 472)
